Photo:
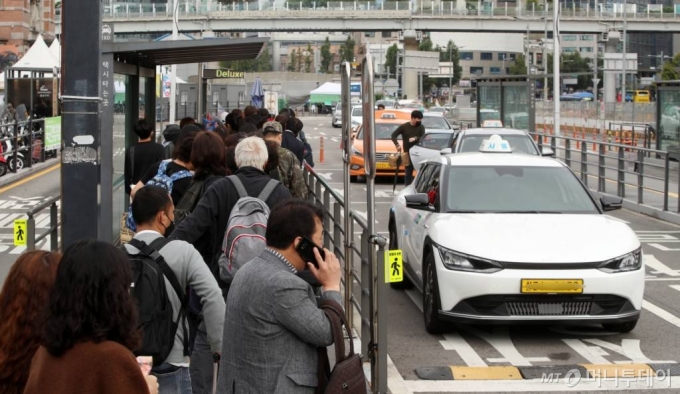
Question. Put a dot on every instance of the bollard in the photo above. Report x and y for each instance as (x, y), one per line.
(594, 144)
(321, 153)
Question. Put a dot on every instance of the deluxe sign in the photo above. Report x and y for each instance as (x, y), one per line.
(210, 74)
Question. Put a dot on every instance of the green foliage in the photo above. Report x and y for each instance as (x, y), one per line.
(262, 63)
(391, 59)
(309, 58)
(574, 63)
(347, 50)
(518, 67)
(449, 53)
(326, 56)
(293, 61)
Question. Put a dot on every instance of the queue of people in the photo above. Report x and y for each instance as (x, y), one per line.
(159, 314)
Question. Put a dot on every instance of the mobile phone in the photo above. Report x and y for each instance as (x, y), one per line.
(306, 250)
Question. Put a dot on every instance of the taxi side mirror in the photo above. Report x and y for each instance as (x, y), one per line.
(418, 201)
(610, 203)
(547, 152)
(446, 151)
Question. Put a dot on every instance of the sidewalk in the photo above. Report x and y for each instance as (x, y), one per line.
(12, 177)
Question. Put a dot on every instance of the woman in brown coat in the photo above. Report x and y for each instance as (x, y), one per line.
(22, 308)
(90, 329)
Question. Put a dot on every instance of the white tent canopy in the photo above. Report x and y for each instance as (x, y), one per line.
(328, 88)
(39, 57)
(55, 49)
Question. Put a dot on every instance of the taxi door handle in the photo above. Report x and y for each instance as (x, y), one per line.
(414, 154)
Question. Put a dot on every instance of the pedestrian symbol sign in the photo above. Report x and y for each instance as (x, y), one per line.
(20, 232)
(394, 266)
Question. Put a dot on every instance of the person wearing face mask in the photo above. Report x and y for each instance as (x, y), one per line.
(153, 210)
(411, 132)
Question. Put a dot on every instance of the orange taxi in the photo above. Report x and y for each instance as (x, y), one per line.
(385, 123)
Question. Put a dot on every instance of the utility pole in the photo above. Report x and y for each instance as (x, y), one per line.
(545, 44)
(625, 58)
(173, 68)
(82, 209)
(451, 75)
(556, 67)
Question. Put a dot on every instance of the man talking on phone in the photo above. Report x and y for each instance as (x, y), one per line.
(411, 132)
(272, 323)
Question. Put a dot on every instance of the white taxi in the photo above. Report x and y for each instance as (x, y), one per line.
(493, 237)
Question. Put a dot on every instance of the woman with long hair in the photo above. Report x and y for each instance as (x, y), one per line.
(22, 309)
(90, 328)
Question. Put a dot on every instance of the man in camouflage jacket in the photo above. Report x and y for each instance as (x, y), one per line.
(289, 170)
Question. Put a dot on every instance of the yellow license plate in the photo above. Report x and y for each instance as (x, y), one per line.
(381, 165)
(553, 286)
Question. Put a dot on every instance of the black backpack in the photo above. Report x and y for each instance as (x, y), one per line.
(149, 271)
(190, 198)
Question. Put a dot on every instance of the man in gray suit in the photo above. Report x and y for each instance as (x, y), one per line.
(272, 323)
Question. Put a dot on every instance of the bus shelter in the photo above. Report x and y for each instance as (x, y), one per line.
(510, 99)
(668, 117)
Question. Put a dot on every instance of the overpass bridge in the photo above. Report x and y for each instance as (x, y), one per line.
(131, 18)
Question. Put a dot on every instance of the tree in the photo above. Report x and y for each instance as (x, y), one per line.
(426, 45)
(451, 53)
(326, 56)
(518, 67)
(391, 59)
(300, 60)
(347, 50)
(293, 61)
(669, 71)
(262, 63)
(309, 58)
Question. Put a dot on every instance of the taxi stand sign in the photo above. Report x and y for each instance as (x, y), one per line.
(394, 266)
(495, 144)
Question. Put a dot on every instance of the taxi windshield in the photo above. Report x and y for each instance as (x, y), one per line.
(436, 141)
(383, 131)
(519, 143)
(356, 111)
(516, 189)
(435, 122)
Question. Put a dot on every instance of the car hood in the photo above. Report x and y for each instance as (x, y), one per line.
(535, 238)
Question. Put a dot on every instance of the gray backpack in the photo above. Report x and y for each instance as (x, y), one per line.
(244, 239)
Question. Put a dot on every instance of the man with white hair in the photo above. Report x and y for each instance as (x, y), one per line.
(208, 222)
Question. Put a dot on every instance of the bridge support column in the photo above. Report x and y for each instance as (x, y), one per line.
(409, 83)
(609, 84)
(276, 56)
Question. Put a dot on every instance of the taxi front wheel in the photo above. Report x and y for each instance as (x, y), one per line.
(433, 323)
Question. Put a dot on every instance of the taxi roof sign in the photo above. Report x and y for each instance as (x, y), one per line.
(495, 144)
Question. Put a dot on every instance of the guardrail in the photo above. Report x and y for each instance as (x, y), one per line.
(648, 173)
(31, 237)
(499, 9)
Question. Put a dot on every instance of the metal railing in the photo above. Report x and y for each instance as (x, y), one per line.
(621, 167)
(31, 237)
(424, 8)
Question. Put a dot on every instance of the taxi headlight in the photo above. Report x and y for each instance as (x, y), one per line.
(356, 152)
(628, 262)
(461, 262)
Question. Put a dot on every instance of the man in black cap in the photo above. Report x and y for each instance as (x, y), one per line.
(410, 132)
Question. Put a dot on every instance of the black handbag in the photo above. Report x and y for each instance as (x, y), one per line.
(347, 376)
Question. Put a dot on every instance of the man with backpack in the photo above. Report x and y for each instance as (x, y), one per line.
(209, 221)
(162, 270)
(139, 157)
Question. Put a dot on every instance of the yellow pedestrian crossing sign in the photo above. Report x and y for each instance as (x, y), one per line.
(20, 232)
(394, 266)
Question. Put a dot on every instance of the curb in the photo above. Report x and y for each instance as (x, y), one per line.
(11, 177)
(593, 371)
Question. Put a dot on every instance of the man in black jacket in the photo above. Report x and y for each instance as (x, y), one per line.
(290, 140)
(209, 220)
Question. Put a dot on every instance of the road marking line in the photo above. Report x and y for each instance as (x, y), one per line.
(662, 313)
(661, 279)
(395, 381)
(486, 373)
(591, 353)
(30, 178)
(663, 248)
(653, 262)
(456, 343)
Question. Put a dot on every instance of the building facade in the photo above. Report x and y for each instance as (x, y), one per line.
(22, 20)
